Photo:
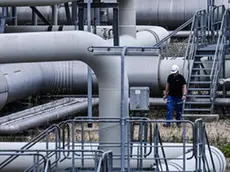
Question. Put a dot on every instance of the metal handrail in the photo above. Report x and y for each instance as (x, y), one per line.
(218, 57)
(47, 166)
(106, 162)
(193, 43)
(29, 145)
(193, 39)
(206, 27)
(158, 44)
(201, 143)
(209, 149)
(30, 153)
(220, 41)
(216, 16)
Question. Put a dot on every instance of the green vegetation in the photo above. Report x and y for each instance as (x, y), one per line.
(226, 150)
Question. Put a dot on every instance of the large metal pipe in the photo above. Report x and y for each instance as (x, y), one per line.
(155, 33)
(158, 101)
(17, 81)
(54, 15)
(73, 46)
(37, 116)
(169, 14)
(7, 3)
(48, 76)
(127, 17)
(218, 159)
(172, 151)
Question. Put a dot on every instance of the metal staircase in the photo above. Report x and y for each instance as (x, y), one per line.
(205, 53)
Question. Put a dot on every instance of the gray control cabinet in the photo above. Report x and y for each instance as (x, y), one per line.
(139, 98)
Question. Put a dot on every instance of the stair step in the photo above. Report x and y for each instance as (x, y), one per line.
(200, 75)
(205, 117)
(200, 82)
(201, 55)
(201, 68)
(203, 62)
(205, 53)
(197, 109)
(198, 89)
(211, 47)
(198, 96)
(198, 103)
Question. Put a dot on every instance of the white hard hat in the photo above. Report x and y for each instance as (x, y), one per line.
(174, 68)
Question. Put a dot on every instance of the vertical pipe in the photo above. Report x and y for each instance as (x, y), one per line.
(116, 27)
(97, 13)
(14, 15)
(68, 16)
(89, 73)
(73, 128)
(127, 17)
(3, 19)
(54, 15)
(74, 13)
(80, 19)
(208, 3)
(224, 76)
(123, 110)
(34, 18)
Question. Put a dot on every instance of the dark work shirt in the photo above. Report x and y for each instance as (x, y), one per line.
(176, 85)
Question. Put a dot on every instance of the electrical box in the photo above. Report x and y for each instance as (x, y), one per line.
(139, 98)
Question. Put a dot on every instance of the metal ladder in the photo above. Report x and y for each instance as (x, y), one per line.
(205, 53)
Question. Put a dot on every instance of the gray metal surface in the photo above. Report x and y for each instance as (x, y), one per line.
(155, 32)
(3, 19)
(139, 99)
(64, 46)
(18, 81)
(40, 115)
(164, 155)
(21, 82)
(54, 15)
(127, 17)
(6, 3)
(169, 14)
(89, 70)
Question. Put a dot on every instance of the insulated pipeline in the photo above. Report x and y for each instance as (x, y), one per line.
(7, 3)
(170, 14)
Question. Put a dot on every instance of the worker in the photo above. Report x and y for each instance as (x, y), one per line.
(175, 93)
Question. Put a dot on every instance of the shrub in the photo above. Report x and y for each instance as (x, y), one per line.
(226, 150)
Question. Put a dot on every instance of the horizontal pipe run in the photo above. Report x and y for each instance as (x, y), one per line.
(158, 101)
(165, 13)
(157, 33)
(7, 3)
(172, 151)
(73, 45)
(218, 101)
(37, 116)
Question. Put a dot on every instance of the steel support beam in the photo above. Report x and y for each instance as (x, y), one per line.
(116, 27)
(14, 15)
(74, 13)
(35, 10)
(68, 15)
(3, 19)
(54, 15)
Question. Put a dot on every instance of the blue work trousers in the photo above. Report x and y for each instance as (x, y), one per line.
(173, 102)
